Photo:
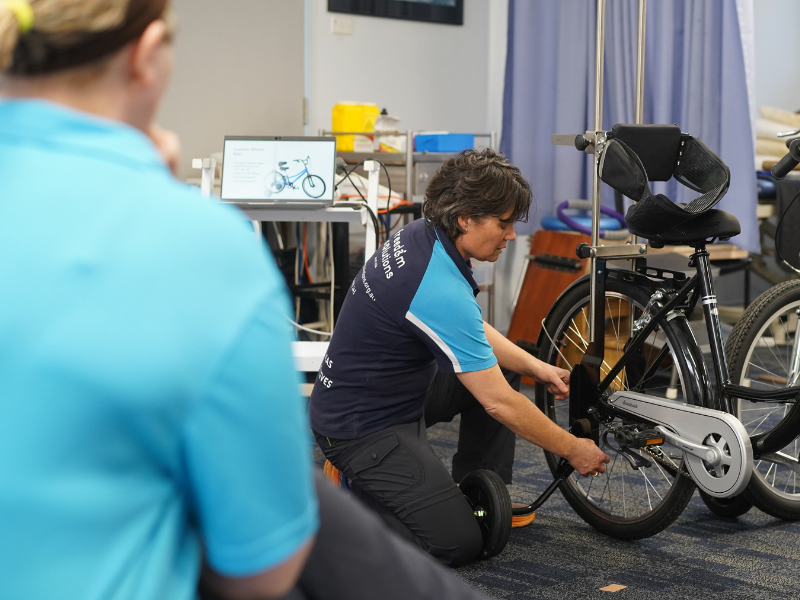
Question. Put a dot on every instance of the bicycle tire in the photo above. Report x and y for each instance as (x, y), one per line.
(727, 508)
(487, 489)
(630, 504)
(313, 186)
(759, 351)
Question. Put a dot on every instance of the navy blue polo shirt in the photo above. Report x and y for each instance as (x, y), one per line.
(410, 311)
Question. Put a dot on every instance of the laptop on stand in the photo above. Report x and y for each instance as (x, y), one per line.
(278, 171)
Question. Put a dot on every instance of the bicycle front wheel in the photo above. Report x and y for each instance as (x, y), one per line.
(313, 186)
(762, 349)
(623, 502)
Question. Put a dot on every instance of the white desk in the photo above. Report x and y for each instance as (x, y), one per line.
(312, 215)
(308, 355)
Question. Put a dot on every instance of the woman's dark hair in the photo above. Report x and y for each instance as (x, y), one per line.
(477, 184)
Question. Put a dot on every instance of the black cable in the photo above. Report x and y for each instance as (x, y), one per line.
(389, 185)
(374, 217)
(375, 224)
(353, 183)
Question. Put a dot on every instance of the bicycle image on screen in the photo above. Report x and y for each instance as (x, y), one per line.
(312, 185)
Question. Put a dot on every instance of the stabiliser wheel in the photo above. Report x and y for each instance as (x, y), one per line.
(727, 508)
(488, 496)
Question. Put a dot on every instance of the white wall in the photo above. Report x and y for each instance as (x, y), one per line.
(432, 76)
(777, 48)
(243, 67)
(239, 71)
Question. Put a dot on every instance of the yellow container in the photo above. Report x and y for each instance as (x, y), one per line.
(353, 116)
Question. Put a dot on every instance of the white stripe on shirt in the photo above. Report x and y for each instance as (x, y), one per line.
(437, 340)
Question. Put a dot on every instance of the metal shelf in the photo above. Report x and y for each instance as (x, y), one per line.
(407, 159)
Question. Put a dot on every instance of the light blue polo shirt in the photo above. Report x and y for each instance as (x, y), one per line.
(149, 405)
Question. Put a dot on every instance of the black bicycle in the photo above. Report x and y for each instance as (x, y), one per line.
(639, 386)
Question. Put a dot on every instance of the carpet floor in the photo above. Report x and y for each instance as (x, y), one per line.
(699, 556)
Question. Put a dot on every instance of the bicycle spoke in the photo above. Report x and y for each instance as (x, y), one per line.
(609, 472)
(770, 348)
(650, 483)
(785, 324)
(585, 343)
(761, 422)
(615, 328)
(624, 500)
(767, 371)
(631, 496)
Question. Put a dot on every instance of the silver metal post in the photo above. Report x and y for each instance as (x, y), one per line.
(638, 114)
(639, 98)
(598, 126)
(410, 180)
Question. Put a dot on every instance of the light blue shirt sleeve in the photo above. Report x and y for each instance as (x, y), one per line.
(446, 317)
(248, 452)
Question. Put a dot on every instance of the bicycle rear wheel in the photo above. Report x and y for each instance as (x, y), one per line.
(760, 352)
(623, 502)
(277, 183)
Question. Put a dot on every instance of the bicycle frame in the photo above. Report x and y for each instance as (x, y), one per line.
(701, 285)
(290, 181)
(678, 306)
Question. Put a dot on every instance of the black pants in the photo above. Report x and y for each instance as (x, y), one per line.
(395, 471)
(356, 558)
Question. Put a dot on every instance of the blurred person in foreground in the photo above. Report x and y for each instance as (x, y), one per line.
(152, 436)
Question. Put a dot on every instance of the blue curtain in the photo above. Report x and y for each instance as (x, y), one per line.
(694, 76)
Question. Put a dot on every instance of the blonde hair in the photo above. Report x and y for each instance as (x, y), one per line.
(60, 26)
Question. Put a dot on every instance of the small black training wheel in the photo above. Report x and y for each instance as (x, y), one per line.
(727, 508)
(488, 496)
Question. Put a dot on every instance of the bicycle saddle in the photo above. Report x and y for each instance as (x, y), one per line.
(713, 223)
(636, 154)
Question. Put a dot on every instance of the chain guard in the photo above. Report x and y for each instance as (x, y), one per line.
(714, 431)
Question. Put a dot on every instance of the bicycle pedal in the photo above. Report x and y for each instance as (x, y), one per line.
(635, 438)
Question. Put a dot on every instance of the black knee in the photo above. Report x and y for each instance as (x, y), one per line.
(465, 548)
(450, 532)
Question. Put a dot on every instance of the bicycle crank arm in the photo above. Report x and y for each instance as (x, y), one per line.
(717, 449)
(712, 455)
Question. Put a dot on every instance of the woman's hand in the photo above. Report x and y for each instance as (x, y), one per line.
(168, 145)
(555, 379)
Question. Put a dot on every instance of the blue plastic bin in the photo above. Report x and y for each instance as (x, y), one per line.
(443, 142)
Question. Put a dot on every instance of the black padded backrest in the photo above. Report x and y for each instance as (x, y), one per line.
(657, 146)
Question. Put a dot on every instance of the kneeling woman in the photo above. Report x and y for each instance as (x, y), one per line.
(410, 350)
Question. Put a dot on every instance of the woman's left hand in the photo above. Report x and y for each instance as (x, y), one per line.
(555, 379)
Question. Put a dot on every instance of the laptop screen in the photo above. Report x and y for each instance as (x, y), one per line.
(278, 170)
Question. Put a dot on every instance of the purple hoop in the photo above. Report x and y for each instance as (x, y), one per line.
(574, 225)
